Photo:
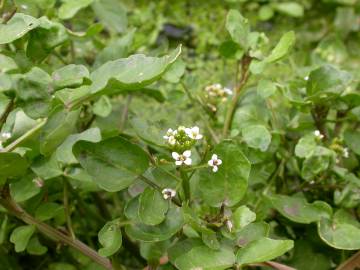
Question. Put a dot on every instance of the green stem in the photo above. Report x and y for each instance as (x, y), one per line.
(8, 109)
(24, 137)
(192, 168)
(67, 209)
(185, 185)
(245, 63)
(9, 204)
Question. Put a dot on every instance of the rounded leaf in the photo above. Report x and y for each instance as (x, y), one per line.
(114, 163)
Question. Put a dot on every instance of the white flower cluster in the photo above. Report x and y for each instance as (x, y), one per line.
(181, 140)
(345, 152)
(217, 91)
(3, 138)
(173, 136)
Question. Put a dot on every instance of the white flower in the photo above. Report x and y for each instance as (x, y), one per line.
(228, 91)
(306, 78)
(169, 133)
(172, 140)
(214, 162)
(168, 193)
(6, 135)
(193, 133)
(346, 152)
(318, 134)
(182, 159)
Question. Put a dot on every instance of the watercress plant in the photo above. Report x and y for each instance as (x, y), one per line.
(160, 135)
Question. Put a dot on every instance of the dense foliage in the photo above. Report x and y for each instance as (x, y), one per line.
(183, 134)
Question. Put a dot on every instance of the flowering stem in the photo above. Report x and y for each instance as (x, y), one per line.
(194, 103)
(245, 63)
(24, 137)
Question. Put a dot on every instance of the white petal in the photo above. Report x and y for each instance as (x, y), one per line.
(219, 162)
(195, 129)
(211, 162)
(187, 153)
(214, 157)
(215, 169)
(199, 137)
(178, 162)
(166, 137)
(175, 155)
(188, 161)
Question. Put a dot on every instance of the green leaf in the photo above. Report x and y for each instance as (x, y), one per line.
(46, 167)
(257, 67)
(228, 185)
(165, 230)
(252, 232)
(262, 250)
(60, 125)
(34, 89)
(305, 146)
(34, 247)
(266, 12)
(242, 217)
(326, 81)
(102, 107)
(48, 211)
(266, 88)
(64, 152)
(70, 76)
(118, 48)
(292, 9)
(190, 254)
(304, 250)
(210, 239)
(12, 164)
(341, 232)
(69, 8)
(152, 207)
(20, 237)
(319, 161)
(111, 13)
(175, 72)
(299, 210)
(24, 189)
(283, 47)
(352, 139)
(114, 163)
(7, 64)
(110, 238)
(257, 136)
(44, 39)
(152, 252)
(238, 27)
(18, 26)
(131, 73)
